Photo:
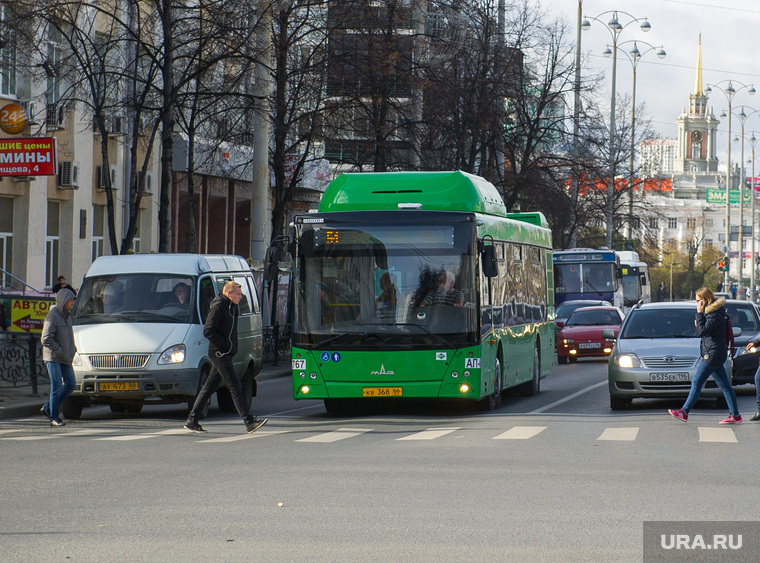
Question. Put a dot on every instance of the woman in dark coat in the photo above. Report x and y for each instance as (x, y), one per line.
(711, 326)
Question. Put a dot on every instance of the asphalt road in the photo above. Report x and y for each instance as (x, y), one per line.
(553, 477)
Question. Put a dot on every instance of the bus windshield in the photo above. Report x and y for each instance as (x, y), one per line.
(158, 298)
(366, 285)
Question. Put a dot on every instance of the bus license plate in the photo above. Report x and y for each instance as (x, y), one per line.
(382, 392)
(119, 386)
(678, 376)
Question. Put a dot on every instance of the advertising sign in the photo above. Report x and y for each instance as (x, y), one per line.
(28, 157)
(13, 118)
(718, 196)
(27, 314)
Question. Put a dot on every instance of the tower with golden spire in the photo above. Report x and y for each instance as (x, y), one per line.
(697, 127)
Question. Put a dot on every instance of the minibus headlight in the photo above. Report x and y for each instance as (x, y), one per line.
(173, 355)
(77, 361)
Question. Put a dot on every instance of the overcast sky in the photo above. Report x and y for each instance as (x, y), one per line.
(730, 51)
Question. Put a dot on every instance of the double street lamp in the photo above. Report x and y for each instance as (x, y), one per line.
(634, 58)
(729, 91)
(615, 28)
(753, 281)
(743, 116)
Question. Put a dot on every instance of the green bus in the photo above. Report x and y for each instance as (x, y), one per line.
(419, 285)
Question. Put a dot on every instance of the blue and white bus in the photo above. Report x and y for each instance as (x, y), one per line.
(635, 275)
(585, 273)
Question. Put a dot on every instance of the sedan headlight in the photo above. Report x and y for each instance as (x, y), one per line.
(627, 361)
(743, 350)
(173, 355)
(568, 340)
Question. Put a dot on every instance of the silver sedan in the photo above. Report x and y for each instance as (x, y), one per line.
(657, 354)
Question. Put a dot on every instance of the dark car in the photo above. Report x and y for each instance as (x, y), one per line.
(565, 309)
(744, 315)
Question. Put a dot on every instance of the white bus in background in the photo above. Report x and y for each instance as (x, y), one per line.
(635, 276)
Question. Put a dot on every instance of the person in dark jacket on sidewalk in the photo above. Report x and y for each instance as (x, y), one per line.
(58, 351)
(711, 326)
(221, 331)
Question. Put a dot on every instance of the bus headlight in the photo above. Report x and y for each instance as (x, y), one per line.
(173, 355)
(464, 388)
(305, 389)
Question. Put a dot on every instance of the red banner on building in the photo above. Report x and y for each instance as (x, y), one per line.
(28, 157)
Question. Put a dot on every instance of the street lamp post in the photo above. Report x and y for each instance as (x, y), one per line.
(615, 28)
(729, 92)
(742, 120)
(753, 281)
(634, 58)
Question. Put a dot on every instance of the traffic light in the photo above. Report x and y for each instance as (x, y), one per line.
(721, 267)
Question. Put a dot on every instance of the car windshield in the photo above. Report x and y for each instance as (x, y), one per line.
(149, 298)
(743, 317)
(566, 309)
(593, 318)
(660, 323)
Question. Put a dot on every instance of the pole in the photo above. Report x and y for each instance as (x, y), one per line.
(727, 273)
(753, 281)
(576, 126)
(740, 294)
(671, 277)
(611, 182)
(633, 147)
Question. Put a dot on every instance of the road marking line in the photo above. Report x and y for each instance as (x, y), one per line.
(725, 435)
(9, 431)
(257, 434)
(429, 434)
(520, 433)
(127, 438)
(171, 432)
(569, 397)
(335, 435)
(31, 438)
(619, 434)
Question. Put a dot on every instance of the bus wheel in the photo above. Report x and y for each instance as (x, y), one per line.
(493, 401)
(338, 406)
(533, 387)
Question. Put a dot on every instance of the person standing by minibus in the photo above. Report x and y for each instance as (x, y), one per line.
(58, 349)
(221, 331)
(751, 348)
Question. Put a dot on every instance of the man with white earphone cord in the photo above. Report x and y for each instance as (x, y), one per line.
(221, 331)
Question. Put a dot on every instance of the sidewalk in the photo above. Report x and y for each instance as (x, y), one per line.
(19, 401)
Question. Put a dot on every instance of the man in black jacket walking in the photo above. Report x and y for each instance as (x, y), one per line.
(221, 331)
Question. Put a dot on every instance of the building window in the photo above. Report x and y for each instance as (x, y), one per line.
(6, 238)
(7, 55)
(53, 59)
(654, 223)
(672, 223)
(52, 242)
(98, 230)
(709, 222)
(691, 223)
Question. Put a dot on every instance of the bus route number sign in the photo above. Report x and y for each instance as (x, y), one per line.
(472, 363)
(299, 363)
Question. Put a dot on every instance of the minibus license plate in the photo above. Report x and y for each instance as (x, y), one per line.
(382, 392)
(119, 386)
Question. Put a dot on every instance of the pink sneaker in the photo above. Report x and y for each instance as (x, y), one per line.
(732, 419)
(680, 415)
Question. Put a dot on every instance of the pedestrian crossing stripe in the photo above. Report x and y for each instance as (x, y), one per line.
(520, 433)
(725, 435)
(257, 434)
(335, 435)
(619, 434)
(126, 438)
(429, 434)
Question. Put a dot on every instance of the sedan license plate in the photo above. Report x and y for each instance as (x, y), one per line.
(119, 386)
(588, 345)
(382, 392)
(676, 376)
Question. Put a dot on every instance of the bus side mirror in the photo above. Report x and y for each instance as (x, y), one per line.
(488, 261)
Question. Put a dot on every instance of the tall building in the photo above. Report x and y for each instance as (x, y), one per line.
(657, 157)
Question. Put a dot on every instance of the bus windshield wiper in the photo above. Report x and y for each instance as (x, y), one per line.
(321, 343)
(439, 337)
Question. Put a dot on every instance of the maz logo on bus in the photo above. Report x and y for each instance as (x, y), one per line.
(382, 371)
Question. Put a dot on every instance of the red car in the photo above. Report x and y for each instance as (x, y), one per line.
(581, 334)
